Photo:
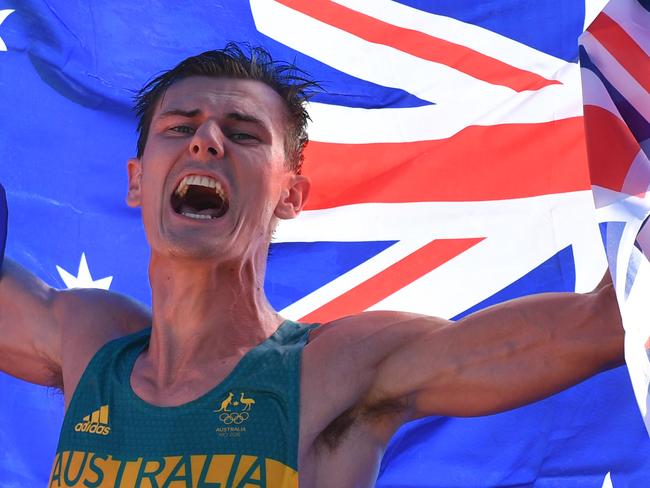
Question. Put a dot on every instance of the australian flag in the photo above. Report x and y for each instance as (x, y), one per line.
(449, 170)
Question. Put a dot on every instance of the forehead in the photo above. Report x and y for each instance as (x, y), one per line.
(215, 95)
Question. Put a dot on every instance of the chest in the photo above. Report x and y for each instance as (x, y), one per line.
(240, 432)
(260, 423)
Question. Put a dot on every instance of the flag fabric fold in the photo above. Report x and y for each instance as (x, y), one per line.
(615, 63)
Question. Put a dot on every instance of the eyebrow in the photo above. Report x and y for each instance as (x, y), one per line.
(183, 113)
(245, 118)
(238, 116)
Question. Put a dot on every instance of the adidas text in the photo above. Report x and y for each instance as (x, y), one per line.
(92, 428)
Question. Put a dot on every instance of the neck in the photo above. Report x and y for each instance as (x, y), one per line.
(205, 312)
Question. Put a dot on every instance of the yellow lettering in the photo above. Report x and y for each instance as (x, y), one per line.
(280, 476)
(198, 461)
(255, 473)
(244, 465)
(89, 470)
(146, 477)
(110, 468)
(92, 428)
(76, 463)
(55, 475)
(181, 475)
(128, 474)
(216, 470)
(95, 470)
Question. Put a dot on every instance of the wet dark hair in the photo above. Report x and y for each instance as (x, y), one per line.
(240, 61)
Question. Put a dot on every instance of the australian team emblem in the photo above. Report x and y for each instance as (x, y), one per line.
(235, 411)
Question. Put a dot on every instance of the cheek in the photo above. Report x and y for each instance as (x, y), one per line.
(152, 190)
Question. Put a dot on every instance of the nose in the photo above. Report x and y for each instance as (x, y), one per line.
(207, 141)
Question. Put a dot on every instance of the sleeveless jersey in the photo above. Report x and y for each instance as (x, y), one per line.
(241, 434)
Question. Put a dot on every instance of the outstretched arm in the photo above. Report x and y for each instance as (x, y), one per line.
(40, 325)
(501, 357)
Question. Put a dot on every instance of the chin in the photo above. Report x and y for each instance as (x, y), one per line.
(190, 247)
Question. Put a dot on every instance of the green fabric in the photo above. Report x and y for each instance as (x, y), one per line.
(254, 412)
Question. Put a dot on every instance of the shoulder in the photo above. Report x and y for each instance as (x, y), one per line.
(89, 318)
(376, 332)
(355, 348)
(93, 315)
(102, 306)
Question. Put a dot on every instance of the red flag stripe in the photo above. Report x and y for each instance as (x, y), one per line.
(623, 47)
(479, 163)
(392, 279)
(611, 147)
(421, 45)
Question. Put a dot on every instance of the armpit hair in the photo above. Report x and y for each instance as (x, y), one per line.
(377, 411)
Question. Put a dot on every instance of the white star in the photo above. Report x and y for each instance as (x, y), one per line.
(83, 278)
(3, 15)
(607, 482)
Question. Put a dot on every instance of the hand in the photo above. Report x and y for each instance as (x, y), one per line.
(605, 282)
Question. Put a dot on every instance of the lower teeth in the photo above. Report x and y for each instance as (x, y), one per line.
(196, 216)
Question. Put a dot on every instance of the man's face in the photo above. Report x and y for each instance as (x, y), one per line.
(212, 179)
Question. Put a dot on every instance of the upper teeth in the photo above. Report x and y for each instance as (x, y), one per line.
(197, 180)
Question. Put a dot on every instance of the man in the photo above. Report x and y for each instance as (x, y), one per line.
(223, 392)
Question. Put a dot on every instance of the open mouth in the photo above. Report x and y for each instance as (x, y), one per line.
(199, 197)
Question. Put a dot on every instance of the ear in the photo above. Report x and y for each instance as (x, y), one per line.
(134, 169)
(293, 198)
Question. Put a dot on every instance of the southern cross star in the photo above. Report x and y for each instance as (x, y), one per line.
(83, 278)
(3, 15)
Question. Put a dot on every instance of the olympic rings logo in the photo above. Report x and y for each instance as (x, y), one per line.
(237, 418)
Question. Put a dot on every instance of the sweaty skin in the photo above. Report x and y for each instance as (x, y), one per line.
(383, 368)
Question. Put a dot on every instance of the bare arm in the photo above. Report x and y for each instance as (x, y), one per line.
(502, 357)
(40, 325)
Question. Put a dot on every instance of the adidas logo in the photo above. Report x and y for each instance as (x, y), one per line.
(95, 423)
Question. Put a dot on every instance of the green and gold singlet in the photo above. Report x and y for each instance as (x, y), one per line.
(241, 434)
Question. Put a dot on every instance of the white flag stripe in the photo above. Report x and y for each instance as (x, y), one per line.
(637, 333)
(592, 9)
(596, 94)
(458, 284)
(505, 224)
(477, 38)
(351, 125)
(446, 220)
(377, 63)
(638, 176)
(460, 100)
(624, 83)
(632, 18)
(614, 206)
(354, 277)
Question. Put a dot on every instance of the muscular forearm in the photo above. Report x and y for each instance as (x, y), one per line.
(526, 349)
